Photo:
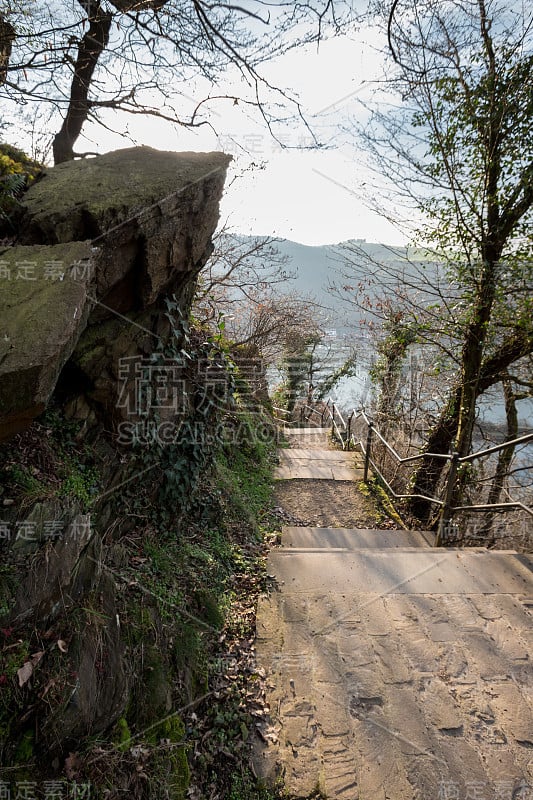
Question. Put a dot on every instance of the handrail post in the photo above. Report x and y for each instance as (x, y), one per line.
(447, 509)
(367, 451)
(326, 407)
(333, 420)
(349, 431)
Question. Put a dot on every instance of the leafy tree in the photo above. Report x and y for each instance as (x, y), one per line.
(459, 151)
(79, 59)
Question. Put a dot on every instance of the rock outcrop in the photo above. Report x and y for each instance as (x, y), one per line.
(117, 234)
(105, 243)
(44, 309)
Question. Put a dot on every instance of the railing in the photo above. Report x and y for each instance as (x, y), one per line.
(327, 413)
(346, 436)
(278, 411)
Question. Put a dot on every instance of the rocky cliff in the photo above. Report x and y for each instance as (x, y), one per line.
(110, 249)
(103, 242)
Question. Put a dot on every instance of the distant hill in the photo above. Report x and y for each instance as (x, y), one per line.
(316, 265)
(315, 268)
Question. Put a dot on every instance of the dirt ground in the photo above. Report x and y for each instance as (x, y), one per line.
(326, 504)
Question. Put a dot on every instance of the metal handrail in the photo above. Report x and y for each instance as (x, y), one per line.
(528, 437)
(455, 460)
(334, 426)
(408, 459)
(329, 410)
(402, 496)
(311, 409)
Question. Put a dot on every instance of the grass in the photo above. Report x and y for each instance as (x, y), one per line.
(185, 596)
(47, 462)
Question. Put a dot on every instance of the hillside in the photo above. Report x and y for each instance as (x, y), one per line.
(316, 267)
(313, 269)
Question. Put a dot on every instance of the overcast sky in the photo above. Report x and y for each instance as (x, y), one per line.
(313, 196)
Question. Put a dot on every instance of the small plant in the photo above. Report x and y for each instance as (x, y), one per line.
(80, 484)
(245, 787)
(17, 171)
(27, 486)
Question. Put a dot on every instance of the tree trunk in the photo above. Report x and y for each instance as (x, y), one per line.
(90, 49)
(7, 34)
(505, 457)
(457, 420)
(428, 474)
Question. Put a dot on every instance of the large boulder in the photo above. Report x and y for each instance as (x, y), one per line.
(139, 222)
(43, 308)
(151, 214)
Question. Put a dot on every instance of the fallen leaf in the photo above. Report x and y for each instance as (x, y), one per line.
(48, 686)
(36, 657)
(72, 766)
(25, 673)
(62, 645)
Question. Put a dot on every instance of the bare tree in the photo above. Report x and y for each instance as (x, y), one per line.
(241, 269)
(275, 325)
(458, 149)
(81, 58)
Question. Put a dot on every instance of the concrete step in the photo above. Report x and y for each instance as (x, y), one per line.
(353, 538)
(393, 670)
(318, 454)
(317, 464)
(307, 431)
(402, 571)
(384, 689)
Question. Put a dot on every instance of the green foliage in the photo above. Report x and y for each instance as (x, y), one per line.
(177, 566)
(70, 470)
(208, 608)
(17, 171)
(245, 787)
(347, 370)
(188, 646)
(400, 331)
(178, 465)
(297, 365)
(122, 735)
(14, 161)
(458, 148)
(25, 748)
(247, 491)
(80, 483)
(170, 772)
(28, 485)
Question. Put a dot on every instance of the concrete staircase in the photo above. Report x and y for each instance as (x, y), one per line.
(395, 670)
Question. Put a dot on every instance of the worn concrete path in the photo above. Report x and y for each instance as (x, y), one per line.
(310, 458)
(396, 671)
